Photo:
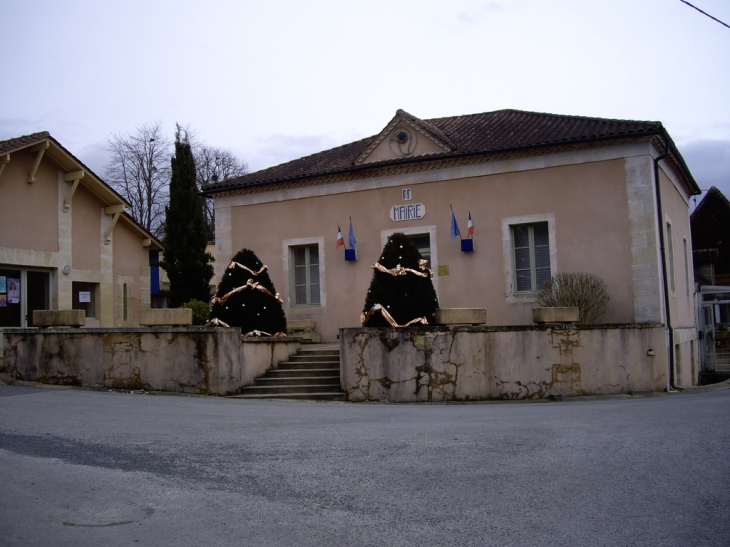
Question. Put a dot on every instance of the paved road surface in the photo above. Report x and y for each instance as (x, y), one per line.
(108, 469)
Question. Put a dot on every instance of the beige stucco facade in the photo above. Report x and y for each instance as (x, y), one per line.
(63, 227)
(599, 205)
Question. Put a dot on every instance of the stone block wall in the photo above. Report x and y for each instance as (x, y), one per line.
(206, 361)
(479, 363)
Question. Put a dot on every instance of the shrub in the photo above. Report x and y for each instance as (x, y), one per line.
(408, 297)
(254, 306)
(581, 290)
(201, 311)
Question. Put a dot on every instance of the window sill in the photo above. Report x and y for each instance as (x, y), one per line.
(522, 298)
(305, 310)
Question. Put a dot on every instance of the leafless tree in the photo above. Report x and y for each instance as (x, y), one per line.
(213, 165)
(139, 170)
(584, 291)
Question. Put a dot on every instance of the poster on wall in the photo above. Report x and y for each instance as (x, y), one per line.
(3, 300)
(84, 296)
(13, 290)
(3, 286)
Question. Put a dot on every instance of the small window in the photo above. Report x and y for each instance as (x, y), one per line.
(125, 302)
(84, 297)
(531, 255)
(306, 287)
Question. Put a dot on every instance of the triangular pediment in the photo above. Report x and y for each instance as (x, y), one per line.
(404, 137)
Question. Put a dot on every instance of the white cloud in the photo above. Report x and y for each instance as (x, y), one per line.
(278, 149)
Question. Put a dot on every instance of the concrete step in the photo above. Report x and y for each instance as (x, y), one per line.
(305, 358)
(309, 374)
(309, 388)
(321, 351)
(297, 381)
(295, 396)
(289, 365)
(301, 372)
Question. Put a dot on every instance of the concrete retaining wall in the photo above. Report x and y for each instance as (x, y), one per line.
(211, 361)
(474, 363)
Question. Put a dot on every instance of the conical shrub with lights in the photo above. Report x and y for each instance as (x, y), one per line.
(401, 290)
(246, 298)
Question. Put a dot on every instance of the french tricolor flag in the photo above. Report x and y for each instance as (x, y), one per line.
(470, 227)
(340, 239)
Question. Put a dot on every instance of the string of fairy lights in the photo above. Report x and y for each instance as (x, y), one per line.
(251, 285)
(397, 272)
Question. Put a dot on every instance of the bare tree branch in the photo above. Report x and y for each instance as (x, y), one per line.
(587, 292)
(139, 170)
(213, 165)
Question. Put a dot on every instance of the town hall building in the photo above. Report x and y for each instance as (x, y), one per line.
(546, 194)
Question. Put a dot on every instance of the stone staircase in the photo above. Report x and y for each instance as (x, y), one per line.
(309, 374)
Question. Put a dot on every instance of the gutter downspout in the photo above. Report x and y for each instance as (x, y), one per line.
(665, 284)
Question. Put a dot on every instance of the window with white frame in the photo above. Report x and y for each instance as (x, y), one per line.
(422, 242)
(686, 266)
(305, 281)
(670, 257)
(531, 256)
(424, 238)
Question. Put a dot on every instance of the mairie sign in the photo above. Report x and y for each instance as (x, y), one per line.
(412, 211)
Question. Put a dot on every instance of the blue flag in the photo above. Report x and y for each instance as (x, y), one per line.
(351, 237)
(454, 227)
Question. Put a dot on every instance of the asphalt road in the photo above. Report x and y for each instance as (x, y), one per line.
(106, 469)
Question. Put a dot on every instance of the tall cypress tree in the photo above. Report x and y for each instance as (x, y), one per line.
(187, 264)
(407, 296)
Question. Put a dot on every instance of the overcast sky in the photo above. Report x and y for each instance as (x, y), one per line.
(275, 80)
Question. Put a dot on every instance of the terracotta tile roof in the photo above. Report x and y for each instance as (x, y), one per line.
(484, 133)
(25, 140)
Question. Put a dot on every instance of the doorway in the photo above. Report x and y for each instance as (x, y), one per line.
(714, 325)
(22, 291)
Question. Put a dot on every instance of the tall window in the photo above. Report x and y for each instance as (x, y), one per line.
(422, 242)
(305, 259)
(686, 267)
(670, 256)
(531, 256)
(125, 302)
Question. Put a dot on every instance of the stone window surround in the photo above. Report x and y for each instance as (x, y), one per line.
(671, 259)
(417, 230)
(287, 267)
(508, 255)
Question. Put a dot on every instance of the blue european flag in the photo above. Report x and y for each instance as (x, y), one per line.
(454, 227)
(351, 236)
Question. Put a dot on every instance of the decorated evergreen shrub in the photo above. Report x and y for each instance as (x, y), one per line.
(401, 292)
(246, 298)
